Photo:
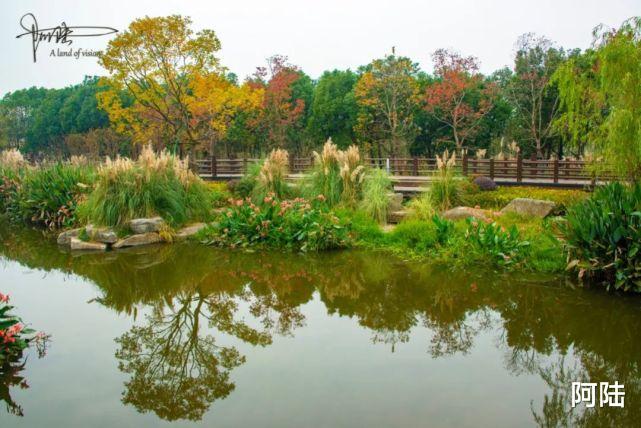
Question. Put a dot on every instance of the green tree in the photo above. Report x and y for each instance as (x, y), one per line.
(334, 109)
(534, 97)
(601, 91)
(387, 97)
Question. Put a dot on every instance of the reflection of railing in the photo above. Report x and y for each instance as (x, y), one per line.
(518, 170)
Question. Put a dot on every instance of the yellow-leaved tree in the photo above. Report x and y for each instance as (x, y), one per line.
(151, 67)
(217, 102)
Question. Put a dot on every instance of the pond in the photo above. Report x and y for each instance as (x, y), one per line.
(187, 335)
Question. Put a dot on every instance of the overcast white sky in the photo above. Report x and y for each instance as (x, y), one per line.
(317, 35)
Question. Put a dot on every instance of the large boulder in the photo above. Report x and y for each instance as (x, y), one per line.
(530, 207)
(64, 238)
(78, 244)
(138, 240)
(101, 234)
(145, 225)
(461, 213)
(189, 230)
(395, 202)
(395, 217)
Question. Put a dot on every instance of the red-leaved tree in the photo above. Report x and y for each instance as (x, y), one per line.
(459, 98)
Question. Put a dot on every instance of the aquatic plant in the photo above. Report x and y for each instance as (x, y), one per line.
(296, 224)
(502, 247)
(14, 336)
(603, 237)
(154, 184)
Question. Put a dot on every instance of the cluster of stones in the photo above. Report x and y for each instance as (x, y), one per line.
(145, 231)
(524, 206)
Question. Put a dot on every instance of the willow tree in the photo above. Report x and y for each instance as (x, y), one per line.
(153, 62)
(603, 98)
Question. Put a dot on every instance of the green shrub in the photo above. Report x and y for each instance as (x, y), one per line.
(499, 198)
(290, 224)
(153, 185)
(492, 241)
(364, 229)
(421, 207)
(414, 235)
(376, 187)
(245, 186)
(603, 235)
(48, 195)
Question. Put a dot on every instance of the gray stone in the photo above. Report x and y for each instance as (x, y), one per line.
(144, 225)
(101, 234)
(530, 207)
(396, 216)
(138, 240)
(461, 213)
(395, 202)
(78, 244)
(188, 231)
(65, 237)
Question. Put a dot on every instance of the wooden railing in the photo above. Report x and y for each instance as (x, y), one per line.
(517, 170)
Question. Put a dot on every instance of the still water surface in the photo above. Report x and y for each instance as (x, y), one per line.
(186, 335)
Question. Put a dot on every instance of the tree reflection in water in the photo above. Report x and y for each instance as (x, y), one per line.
(177, 369)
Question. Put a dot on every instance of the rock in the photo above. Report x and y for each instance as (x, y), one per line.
(77, 244)
(65, 237)
(461, 213)
(188, 231)
(395, 202)
(396, 216)
(138, 240)
(101, 234)
(144, 225)
(530, 207)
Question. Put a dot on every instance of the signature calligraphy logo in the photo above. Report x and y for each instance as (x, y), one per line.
(61, 34)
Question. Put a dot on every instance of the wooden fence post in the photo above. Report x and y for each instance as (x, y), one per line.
(415, 166)
(519, 168)
(213, 166)
(492, 168)
(465, 164)
(244, 165)
(556, 170)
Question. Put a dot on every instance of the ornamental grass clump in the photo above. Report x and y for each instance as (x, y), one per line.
(325, 177)
(603, 237)
(444, 189)
(156, 184)
(49, 195)
(272, 175)
(296, 224)
(376, 188)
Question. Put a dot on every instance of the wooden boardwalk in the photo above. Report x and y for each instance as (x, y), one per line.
(412, 175)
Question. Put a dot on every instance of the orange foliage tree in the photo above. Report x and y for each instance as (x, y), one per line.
(459, 98)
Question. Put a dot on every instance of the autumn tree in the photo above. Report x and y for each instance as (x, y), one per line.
(154, 60)
(459, 98)
(387, 97)
(530, 91)
(287, 95)
(217, 103)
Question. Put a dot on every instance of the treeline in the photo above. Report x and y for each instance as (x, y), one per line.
(551, 103)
